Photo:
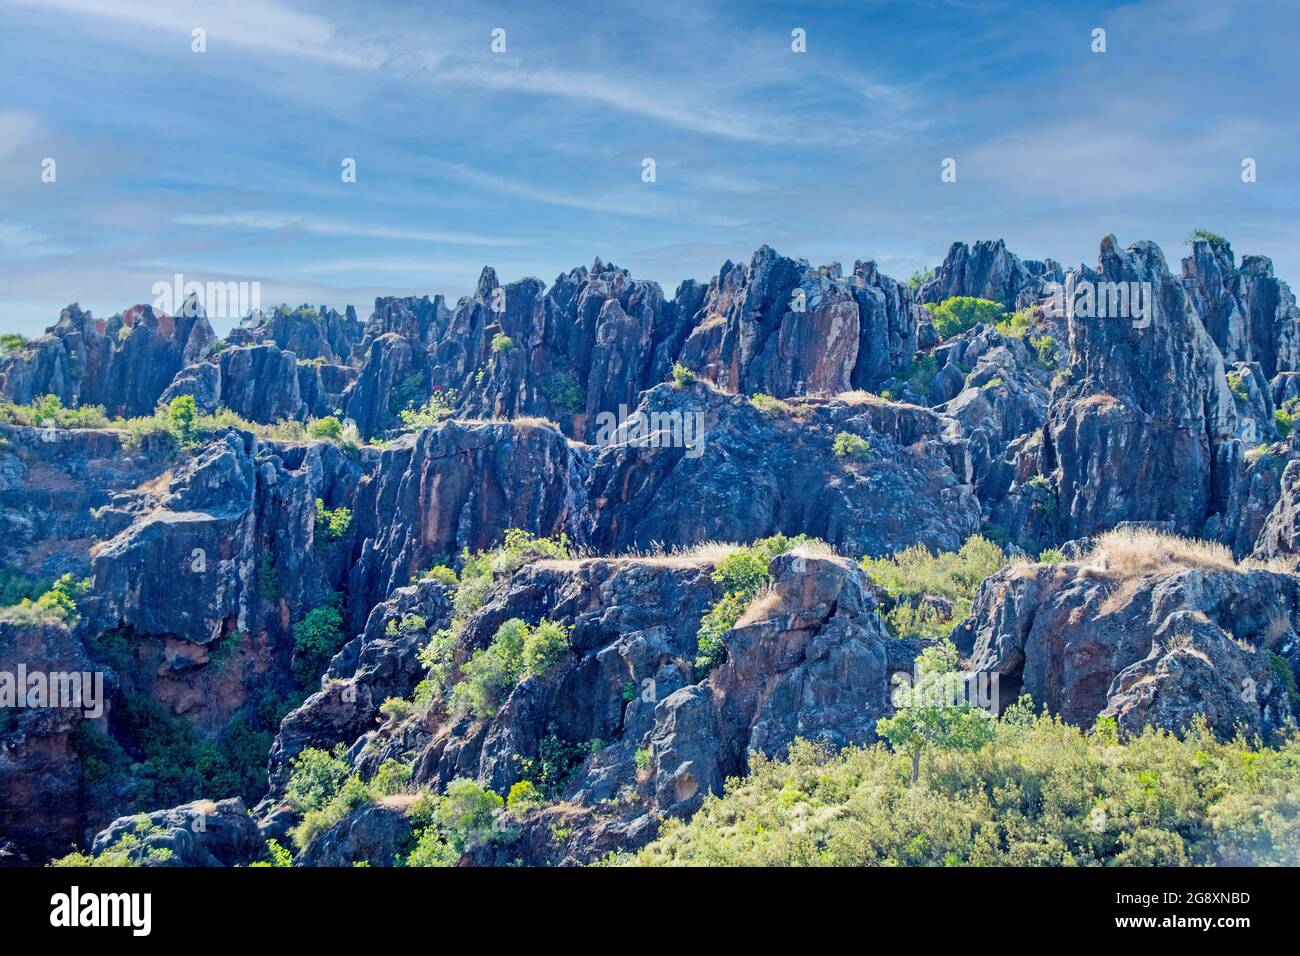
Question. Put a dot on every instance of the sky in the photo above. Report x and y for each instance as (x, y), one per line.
(227, 164)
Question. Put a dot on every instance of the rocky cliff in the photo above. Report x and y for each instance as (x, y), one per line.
(498, 541)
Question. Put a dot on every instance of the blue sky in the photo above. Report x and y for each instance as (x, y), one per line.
(225, 165)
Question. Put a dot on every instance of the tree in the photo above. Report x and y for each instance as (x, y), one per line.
(928, 715)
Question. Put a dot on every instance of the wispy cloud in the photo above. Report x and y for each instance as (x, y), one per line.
(256, 24)
(276, 221)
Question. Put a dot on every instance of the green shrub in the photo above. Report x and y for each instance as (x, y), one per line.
(1213, 238)
(523, 798)
(919, 373)
(12, 342)
(57, 605)
(564, 392)
(15, 586)
(920, 278)
(1051, 556)
(682, 375)
(1284, 421)
(910, 574)
(770, 405)
(334, 523)
(315, 776)
(130, 850)
(392, 777)
(441, 405)
(848, 445)
(317, 638)
(1237, 384)
(502, 343)
(274, 855)
(462, 818)
(351, 797)
(1041, 793)
(960, 313)
(1046, 351)
(742, 573)
(642, 758)
(1018, 323)
(441, 573)
(328, 428)
(396, 709)
(517, 651)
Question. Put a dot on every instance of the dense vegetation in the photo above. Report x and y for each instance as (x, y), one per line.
(1039, 792)
(913, 577)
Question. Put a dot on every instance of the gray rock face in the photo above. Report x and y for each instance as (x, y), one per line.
(1120, 426)
(123, 364)
(988, 270)
(202, 833)
(379, 663)
(1250, 314)
(780, 327)
(758, 473)
(809, 661)
(434, 493)
(1154, 648)
(373, 836)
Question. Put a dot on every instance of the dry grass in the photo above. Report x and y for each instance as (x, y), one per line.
(761, 608)
(1132, 552)
(815, 549)
(704, 553)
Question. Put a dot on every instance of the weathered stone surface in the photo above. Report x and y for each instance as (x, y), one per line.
(756, 473)
(1152, 648)
(202, 833)
(988, 270)
(1140, 405)
(123, 364)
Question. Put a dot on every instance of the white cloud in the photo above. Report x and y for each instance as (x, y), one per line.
(258, 24)
(274, 221)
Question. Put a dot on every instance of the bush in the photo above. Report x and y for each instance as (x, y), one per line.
(848, 445)
(328, 428)
(392, 777)
(441, 573)
(317, 638)
(1041, 793)
(1213, 238)
(12, 342)
(1046, 351)
(1237, 384)
(770, 405)
(919, 373)
(441, 405)
(502, 343)
(396, 709)
(742, 573)
(1018, 323)
(462, 818)
(58, 605)
(1284, 421)
(517, 651)
(960, 313)
(920, 278)
(564, 392)
(523, 798)
(910, 574)
(682, 375)
(334, 523)
(315, 776)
